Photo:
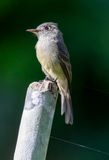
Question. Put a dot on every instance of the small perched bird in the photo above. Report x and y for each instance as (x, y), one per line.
(54, 58)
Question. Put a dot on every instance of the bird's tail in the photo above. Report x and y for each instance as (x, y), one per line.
(66, 106)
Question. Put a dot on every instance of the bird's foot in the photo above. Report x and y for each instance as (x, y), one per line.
(50, 79)
(46, 78)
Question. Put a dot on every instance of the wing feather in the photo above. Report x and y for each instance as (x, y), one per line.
(64, 59)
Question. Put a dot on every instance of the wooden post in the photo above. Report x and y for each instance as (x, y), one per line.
(36, 122)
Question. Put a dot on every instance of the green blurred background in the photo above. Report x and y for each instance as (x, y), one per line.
(85, 24)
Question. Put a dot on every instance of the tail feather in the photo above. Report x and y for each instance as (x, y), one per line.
(68, 113)
(63, 104)
(66, 107)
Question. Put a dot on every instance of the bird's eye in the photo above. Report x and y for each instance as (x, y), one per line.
(47, 27)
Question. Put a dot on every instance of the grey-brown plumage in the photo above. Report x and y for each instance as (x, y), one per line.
(54, 59)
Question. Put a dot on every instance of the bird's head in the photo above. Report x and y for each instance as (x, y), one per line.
(45, 29)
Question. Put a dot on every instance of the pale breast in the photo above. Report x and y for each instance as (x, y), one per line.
(46, 52)
(47, 55)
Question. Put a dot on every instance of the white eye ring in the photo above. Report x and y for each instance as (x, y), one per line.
(47, 27)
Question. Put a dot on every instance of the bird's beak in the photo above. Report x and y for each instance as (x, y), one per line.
(32, 30)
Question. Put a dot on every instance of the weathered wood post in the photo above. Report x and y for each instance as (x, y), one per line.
(36, 122)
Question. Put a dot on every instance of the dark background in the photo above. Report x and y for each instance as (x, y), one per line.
(85, 24)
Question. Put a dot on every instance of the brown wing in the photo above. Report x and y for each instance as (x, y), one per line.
(64, 59)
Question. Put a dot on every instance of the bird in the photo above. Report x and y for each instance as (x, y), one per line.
(54, 58)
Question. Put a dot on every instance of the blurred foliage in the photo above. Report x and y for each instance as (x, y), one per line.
(85, 24)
